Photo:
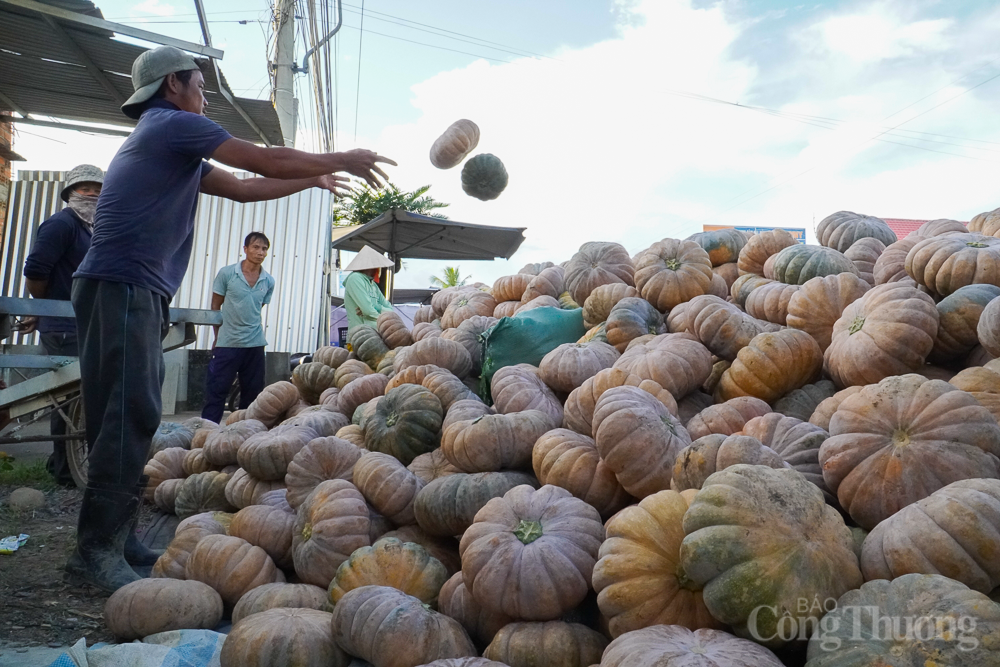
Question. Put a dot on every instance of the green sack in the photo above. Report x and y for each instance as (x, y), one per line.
(525, 339)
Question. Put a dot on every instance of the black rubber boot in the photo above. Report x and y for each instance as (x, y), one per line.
(137, 553)
(106, 518)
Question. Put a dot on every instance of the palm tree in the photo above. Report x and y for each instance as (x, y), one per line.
(364, 205)
(450, 277)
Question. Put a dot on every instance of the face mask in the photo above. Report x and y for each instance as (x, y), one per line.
(83, 206)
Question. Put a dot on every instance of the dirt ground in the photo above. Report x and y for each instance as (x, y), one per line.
(37, 607)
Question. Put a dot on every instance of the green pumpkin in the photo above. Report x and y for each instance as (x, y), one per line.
(598, 333)
(448, 505)
(843, 229)
(171, 434)
(367, 344)
(484, 177)
(566, 302)
(796, 264)
(959, 320)
(723, 245)
(630, 318)
(406, 423)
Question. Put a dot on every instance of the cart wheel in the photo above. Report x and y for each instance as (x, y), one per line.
(76, 450)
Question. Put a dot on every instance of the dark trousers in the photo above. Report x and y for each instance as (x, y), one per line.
(120, 327)
(59, 345)
(227, 363)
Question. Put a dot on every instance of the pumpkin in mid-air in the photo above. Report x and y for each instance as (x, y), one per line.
(484, 177)
(460, 139)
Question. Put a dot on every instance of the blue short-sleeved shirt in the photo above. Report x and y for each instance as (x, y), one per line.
(60, 245)
(241, 323)
(144, 225)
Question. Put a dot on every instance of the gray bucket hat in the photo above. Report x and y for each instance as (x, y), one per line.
(82, 173)
(148, 72)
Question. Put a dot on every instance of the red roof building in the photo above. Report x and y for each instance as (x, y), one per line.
(902, 226)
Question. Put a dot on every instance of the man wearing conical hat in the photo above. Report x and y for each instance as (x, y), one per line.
(363, 300)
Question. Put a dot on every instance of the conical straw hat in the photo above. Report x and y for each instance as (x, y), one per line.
(368, 258)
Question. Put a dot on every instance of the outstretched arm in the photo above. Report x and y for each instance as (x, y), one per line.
(289, 163)
(221, 183)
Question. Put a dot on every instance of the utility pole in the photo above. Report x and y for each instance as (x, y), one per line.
(284, 61)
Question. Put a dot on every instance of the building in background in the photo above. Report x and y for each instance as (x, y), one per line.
(7, 155)
(903, 226)
(799, 233)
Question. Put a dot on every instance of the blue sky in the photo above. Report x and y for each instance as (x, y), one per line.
(625, 126)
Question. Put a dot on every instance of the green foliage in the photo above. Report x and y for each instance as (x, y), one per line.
(450, 277)
(364, 205)
(15, 473)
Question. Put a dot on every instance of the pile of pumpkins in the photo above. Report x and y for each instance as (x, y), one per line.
(757, 446)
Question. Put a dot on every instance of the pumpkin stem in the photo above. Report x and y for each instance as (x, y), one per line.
(976, 244)
(684, 581)
(857, 324)
(307, 532)
(900, 438)
(391, 419)
(669, 423)
(528, 531)
(672, 264)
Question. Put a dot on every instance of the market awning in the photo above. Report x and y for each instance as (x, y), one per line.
(403, 235)
(58, 58)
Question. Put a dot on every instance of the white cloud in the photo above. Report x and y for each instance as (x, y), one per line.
(878, 35)
(152, 7)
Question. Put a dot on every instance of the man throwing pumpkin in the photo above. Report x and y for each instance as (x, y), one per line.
(143, 232)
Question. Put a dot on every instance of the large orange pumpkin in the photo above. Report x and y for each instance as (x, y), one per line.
(820, 302)
(989, 327)
(843, 229)
(231, 566)
(597, 264)
(520, 387)
(772, 365)
(670, 272)
(405, 566)
(722, 326)
(578, 414)
(283, 636)
(677, 362)
(332, 523)
(760, 247)
(567, 367)
(943, 264)
(570, 460)
(726, 418)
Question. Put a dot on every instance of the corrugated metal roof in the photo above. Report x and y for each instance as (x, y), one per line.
(43, 75)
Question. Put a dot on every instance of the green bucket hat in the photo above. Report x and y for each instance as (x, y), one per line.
(148, 72)
(82, 173)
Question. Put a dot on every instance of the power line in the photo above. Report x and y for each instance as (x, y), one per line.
(433, 46)
(357, 92)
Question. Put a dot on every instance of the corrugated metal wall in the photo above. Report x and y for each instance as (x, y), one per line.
(298, 318)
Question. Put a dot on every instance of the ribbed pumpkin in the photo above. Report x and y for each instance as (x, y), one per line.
(668, 645)
(312, 378)
(244, 489)
(888, 331)
(279, 596)
(726, 418)
(269, 528)
(960, 313)
(638, 578)
(820, 302)
(350, 370)
(506, 309)
(519, 387)
(448, 505)
(729, 272)
(460, 139)
(630, 318)
(203, 492)
(412, 375)
(989, 328)
(758, 540)
(566, 302)
(638, 439)
(959, 622)
(331, 524)
(387, 486)
(353, 434)
(481, 623)
(714, 452)
(432, 465)
(321, 459)
(896, 442)
(797, 264)
(221, 445)
(166, 464)
(797, 442)
(939, 227)
(188, 533)
(149, 606)
(547, 537)
(443, 297)
(231, 566)
(987, 223)
(772, 365)
(891, 264)
(721, 326)
(864, 253)
(466, 305)
(678, 362)
(843, 229)
(596, 264)
(602, 299)
(445, 549)
(579, 409)
(469, 335)
(360, 391)
(441, 352)
(484, 177)
(824, 412)
(331, 355)
(392, 330)
(950, 532)
(405, 566)
(567, 367)
(389, 628)
(554, 643)
(266, 455)
(943, 264)
(170, 434)
(534, 268)
(510, 288)
(743, 286)
(759, 247)
(549, 282)
(283, 637)
(406, 423)
(272, 403)
(570, 460)
(424, 330)
(491, 443)
(367, 344)
(722, 245)
(448, 388)
(770, 302)
(801, 403)
(543, 301)
(670, 272)
(983, 382)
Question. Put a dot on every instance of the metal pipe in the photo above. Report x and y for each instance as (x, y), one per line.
(39, 438)
(305, 59)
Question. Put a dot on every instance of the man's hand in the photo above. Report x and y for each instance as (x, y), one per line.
(338, 185)
(26, 325)
(363, 164)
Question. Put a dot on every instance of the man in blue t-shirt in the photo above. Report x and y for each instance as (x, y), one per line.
(141, 245)
(240, 291)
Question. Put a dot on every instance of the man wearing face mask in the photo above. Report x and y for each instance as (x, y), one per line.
(59, 247)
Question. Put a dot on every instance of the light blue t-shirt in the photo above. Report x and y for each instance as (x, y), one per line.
(241, 322)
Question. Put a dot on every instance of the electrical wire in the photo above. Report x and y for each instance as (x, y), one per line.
(357, 93)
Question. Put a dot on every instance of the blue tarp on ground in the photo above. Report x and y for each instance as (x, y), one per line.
(178, 648)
